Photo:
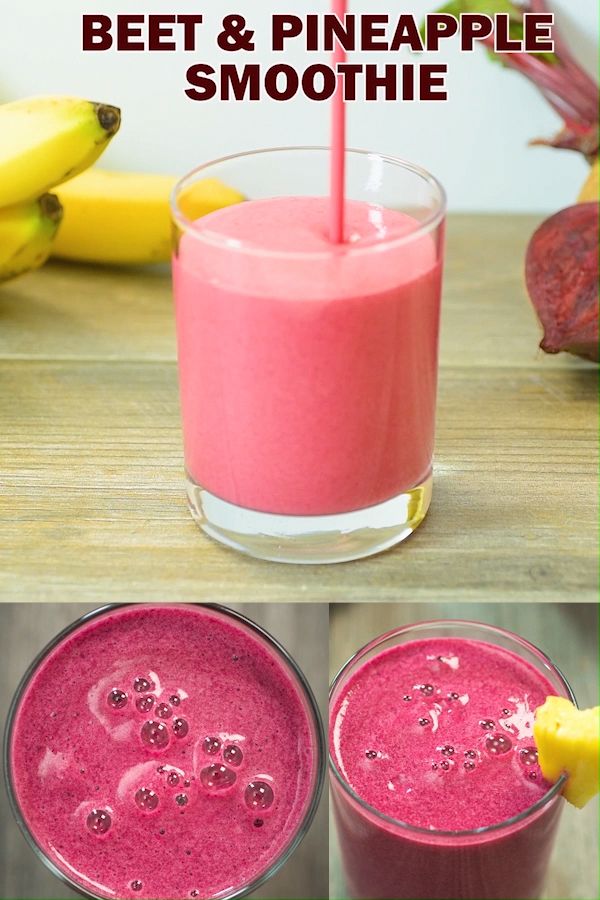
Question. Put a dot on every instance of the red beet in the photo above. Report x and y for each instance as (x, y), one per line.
(561, 270)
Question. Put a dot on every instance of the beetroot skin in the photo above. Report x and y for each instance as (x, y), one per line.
(561, 270)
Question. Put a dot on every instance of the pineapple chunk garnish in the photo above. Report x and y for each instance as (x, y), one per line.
(568, 743)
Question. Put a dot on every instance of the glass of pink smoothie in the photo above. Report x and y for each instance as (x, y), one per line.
(436, 787)
(308, 368)
(164, 752)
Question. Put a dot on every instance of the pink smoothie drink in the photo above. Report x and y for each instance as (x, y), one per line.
(436, 736)
(307, 368)
(163, 752)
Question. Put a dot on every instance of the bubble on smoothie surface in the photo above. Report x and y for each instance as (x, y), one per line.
(142, 685)
(164, 711)
(233, 755)
(146, 799)
(469, 765)
(217, 777)
(424, 721)
(487, 724)
(173, 779)
(426, 689)
(174, 700)
(259, 795)
(371, 754)
(99, 821)
(194, 893)
(407, 698)
(181, 799)
(155, 734)
(445, 764)
(211, 745)
(180, 727)
(144, 704)
(136, 885)
(528, 756)
(117, 699)
(497, 744)
(453, 695)
(471, 754)
(447, 750)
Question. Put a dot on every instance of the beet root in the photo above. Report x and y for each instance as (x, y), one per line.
(561, 271)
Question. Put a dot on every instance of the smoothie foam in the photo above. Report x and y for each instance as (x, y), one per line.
(307, 369)
(197, 803)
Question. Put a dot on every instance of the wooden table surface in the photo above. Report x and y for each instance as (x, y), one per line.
(92, 503)
(568, 633)
(26, 629)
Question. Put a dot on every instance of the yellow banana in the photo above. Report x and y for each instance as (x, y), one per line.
(124, 217)
(26, 234)
(591, 188)
(46, 140)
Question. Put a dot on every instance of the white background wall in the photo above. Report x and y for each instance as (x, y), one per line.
(476, 143)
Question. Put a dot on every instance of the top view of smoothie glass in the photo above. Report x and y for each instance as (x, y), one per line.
(164, 752)
(307, 365)
(437, 788)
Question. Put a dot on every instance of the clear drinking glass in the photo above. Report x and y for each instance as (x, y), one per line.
(308, 377)
(385, 858)
(308, 700)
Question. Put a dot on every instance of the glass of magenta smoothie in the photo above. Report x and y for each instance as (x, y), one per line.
(435, 783)
(164, 752)
(308, 368)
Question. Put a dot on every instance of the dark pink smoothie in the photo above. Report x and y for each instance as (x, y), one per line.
(307, 369)
(163, 752)
(437, 734)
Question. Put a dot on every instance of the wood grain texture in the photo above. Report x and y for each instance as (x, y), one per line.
(91, 489)
(24, 631)
(568, 634)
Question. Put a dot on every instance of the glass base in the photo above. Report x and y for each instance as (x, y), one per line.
(310, 539)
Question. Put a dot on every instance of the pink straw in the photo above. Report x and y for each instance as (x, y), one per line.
(338, 143)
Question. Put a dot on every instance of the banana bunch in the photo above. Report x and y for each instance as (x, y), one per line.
(124, 218)
(44, 142)
(104, 217)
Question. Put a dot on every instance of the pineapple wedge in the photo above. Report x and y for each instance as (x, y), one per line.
(568, 742)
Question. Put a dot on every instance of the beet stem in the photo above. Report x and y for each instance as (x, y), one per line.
(579, 100)
(569, 89)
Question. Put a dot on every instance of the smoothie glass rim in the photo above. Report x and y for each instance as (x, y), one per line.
(428, 225)
(550, 795)
(294, 670)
